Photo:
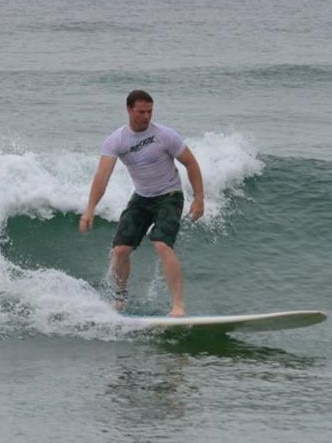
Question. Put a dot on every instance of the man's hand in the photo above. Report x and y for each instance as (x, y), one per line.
(197, 208)
(195, 177)
(86, 222)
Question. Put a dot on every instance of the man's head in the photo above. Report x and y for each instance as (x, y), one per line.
(139, 107)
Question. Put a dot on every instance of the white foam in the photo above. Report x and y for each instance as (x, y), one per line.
(41, 184)
(225, 160)
(48, 301)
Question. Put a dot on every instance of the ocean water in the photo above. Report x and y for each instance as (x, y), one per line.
(249, 86)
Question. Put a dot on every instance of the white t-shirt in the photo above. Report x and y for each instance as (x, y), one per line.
(149, 157)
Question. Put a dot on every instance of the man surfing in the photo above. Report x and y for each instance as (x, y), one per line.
(149, 151)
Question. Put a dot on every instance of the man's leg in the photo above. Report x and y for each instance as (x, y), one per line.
(120, 270)
(133, 224)
(173, 276)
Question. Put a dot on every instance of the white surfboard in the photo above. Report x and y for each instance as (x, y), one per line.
(230, 323)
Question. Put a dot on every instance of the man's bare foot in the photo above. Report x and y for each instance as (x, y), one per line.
(118, 305)
(177, 312)
(120, 300)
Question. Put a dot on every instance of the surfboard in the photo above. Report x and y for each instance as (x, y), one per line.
(230, 323)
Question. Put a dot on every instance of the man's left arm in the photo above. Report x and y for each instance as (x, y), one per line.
(188, 159)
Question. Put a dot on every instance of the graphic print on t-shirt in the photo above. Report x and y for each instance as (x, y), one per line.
(142, 144)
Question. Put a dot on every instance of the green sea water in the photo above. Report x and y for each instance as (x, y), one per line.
(248, 85)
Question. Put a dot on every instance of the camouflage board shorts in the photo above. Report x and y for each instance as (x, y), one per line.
(163, 212)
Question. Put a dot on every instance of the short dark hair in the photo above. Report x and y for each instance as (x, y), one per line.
(138, 95)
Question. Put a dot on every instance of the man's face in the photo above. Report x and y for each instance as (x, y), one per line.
(140, 115)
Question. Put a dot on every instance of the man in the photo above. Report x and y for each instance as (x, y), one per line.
(148, 151)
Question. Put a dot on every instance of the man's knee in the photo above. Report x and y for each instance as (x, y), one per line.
(121, 252)
(162, 248)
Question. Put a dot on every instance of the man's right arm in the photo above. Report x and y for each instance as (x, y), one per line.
(99, 183)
